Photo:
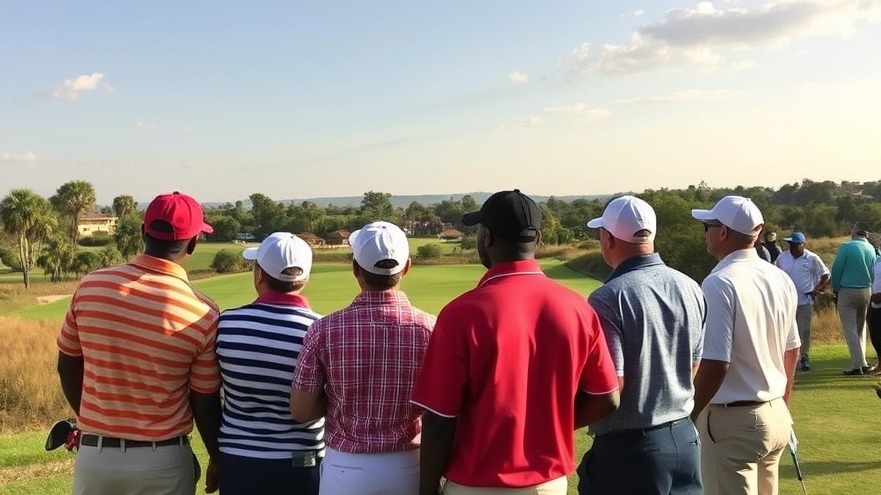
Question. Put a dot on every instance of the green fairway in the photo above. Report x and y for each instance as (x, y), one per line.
(837, 419)
(332, 287)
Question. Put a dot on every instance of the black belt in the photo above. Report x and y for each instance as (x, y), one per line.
(112, 442)
(643, 431)
(744, 403)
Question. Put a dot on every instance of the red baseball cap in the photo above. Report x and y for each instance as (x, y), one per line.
(181, 212)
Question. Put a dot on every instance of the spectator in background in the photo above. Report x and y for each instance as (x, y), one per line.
(515, 365)
(653, 318)
(852, 276)
(137, 364)
(761, 250)
(810, 276)
(873, 318)
(751, 348)
(263, 450)
(358, 366)
(771, 245)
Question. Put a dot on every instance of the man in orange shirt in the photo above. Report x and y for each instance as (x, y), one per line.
(137, 364)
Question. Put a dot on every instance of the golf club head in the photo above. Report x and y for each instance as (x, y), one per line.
(58, 433)
(878, 390)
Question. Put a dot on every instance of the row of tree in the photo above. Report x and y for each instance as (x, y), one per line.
(43, 232)
(40, 232)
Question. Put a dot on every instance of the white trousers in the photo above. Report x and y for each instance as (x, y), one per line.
(553, 487)
(385, 473)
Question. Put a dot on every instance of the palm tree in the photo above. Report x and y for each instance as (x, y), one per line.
(73, 199)
(124, 205)
(29, 217)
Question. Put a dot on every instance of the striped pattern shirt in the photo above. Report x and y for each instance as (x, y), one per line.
(147, 339)
(257, 347)
(366, 358)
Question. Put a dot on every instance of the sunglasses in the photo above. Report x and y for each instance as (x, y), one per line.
(710, 225)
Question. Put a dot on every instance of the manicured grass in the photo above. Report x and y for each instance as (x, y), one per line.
(837, 420)
(332, 287)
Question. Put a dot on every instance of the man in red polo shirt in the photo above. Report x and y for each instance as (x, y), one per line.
(513, 367)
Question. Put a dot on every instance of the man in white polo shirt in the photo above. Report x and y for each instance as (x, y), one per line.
(810, 276)
(751, 347)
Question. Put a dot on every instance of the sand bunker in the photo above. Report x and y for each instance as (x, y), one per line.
(50, 299)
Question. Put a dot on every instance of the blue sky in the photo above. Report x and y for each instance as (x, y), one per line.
(295, 100)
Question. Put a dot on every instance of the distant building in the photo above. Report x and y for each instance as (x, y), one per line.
(450, 235)
(96, 225)
(337, 238)
(312, 239)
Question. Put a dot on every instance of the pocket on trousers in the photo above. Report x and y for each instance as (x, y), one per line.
(341, 471)
(709, 428)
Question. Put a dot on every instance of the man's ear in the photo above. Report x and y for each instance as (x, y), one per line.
(407, 266)
(191, 246)
(356, 270)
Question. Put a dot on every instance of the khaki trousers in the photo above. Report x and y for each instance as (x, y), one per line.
(803, 315)
(165, 470)
(852, 307)
(741, 447)
(553, 487)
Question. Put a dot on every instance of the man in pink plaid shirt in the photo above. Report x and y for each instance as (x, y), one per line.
(357, 368)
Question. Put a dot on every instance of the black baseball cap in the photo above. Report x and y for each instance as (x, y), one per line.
(509, 214)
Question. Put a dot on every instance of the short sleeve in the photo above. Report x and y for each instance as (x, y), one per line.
(205, 372)
(598, 376)
(719, 326)
(698, 351)
(442, 381)
(69, 339)
(309, 374)
(611, 326)
(793, 340)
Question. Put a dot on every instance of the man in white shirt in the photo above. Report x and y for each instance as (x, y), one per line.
(810, 277)
(751, 347)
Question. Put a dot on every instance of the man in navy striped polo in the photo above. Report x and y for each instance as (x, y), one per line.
(263, 450)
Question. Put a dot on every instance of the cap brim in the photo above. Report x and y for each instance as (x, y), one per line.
(703, 215)
(250, 254)
(596, 223)
(471, 219)
(207, 229)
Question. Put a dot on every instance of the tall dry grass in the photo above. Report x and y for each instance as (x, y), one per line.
(30, 393)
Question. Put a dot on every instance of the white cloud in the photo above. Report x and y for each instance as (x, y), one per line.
(695, 36)
(580, 111)
(639, 13)
(531, 120)
(685, 96)
(29, 157)
(188, 129)
(144, 127)
(70, 89)
(518, 77)
(742, 65)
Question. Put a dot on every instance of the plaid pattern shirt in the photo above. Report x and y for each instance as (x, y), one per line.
(366, 358)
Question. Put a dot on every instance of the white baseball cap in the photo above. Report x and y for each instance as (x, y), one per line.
(280, 251)
(380, 241)
(735, 212)
(624, 217)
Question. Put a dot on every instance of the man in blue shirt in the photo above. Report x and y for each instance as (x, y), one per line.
(652, 317)
(852, 277)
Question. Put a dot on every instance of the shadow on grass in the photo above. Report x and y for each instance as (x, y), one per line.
(820, 468)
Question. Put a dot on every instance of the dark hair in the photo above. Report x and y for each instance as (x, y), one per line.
(643, 233)
(281, 285)
(381, 282)
(160, 248)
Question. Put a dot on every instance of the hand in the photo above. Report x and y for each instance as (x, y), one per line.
(211, 475)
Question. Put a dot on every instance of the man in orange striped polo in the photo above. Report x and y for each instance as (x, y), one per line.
(137, 364)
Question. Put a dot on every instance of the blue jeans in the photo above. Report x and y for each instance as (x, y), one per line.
(247, 475)
(662, 460)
